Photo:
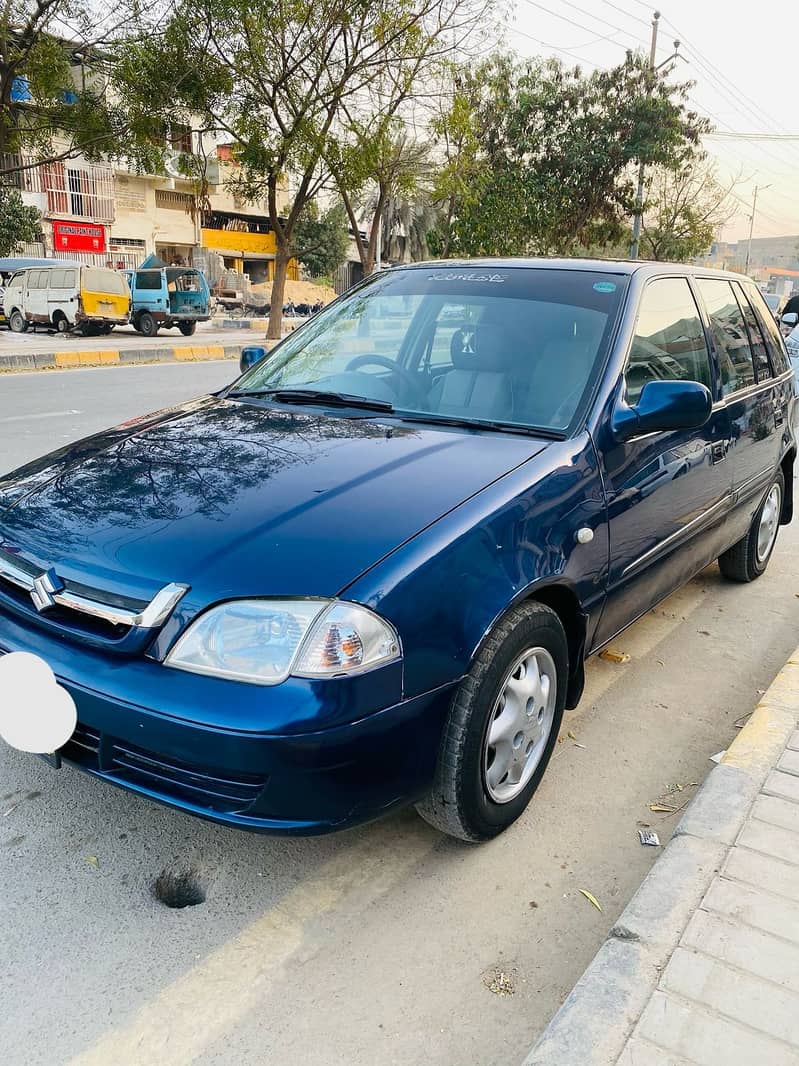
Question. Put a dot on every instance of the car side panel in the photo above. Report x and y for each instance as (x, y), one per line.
(445, 589)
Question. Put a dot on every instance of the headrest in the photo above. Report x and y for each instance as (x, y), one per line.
(489, 346)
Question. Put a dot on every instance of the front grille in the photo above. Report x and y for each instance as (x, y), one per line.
(66, 617)
(224, 792)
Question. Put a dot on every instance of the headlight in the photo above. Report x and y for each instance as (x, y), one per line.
(263, 641)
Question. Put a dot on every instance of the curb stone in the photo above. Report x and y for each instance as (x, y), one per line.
(120, 356)
(593, 1024)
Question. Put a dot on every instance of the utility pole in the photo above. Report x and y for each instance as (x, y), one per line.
(639, 198)
(758, 189)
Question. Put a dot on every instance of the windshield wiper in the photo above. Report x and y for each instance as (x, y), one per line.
(318, 396)
(481, 423)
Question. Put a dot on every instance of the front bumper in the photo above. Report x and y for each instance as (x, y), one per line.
(306, 782)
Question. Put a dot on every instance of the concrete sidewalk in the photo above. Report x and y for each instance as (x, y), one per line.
(702, 967)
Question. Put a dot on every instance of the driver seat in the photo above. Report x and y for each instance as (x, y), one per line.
(478, 386)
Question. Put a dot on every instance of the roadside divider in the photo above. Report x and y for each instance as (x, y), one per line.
(171, 353)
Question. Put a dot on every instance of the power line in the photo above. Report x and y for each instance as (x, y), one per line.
(580, 26)
(629, 14)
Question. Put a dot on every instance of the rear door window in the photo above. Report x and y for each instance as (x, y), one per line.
(57, 279)
(757, 342)
(730, 335)
(669, 342)
(776, 349)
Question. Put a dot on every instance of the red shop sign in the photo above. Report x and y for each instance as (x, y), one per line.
(79, 237)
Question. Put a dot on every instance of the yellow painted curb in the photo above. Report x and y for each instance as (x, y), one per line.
(99, 358)
(199, 351)
(759, 745)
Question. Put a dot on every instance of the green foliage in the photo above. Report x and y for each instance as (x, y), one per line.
(65, 51)
(541, 158)
(18, 223)
(320, 243)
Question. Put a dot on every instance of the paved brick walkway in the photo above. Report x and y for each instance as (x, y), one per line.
(730, 992)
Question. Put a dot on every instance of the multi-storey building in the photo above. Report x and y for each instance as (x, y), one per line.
(110, 214)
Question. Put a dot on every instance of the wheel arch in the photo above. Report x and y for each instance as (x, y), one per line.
(787, 465)
(563, 600)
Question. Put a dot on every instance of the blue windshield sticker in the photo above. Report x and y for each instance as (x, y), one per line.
(604, 286)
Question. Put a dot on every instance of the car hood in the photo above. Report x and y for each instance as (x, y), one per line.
(237, 498)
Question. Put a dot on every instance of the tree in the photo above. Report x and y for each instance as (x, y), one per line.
(542, 157)
(280, 77)
(322, 242)
(683, 211)
(379, 172)
(55, 58)
(18, 223)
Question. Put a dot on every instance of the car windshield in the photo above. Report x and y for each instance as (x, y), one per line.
(520, 346)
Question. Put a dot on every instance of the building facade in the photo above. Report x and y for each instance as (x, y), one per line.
(107, 214)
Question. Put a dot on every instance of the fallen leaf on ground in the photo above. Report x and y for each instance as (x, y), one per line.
(10, 810)
(614, 656)
(571, 735)
(93, 861)
(591, 898)
(662, 808)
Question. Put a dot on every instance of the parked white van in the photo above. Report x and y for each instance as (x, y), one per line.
(67, 296)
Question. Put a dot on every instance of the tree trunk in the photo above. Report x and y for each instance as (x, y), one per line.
(275, 327)
(375, 233)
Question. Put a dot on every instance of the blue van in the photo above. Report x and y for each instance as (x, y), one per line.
(167, 296)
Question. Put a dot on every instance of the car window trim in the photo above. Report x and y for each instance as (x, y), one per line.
(754, 388)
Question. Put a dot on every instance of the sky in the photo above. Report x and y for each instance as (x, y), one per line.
(744, 58)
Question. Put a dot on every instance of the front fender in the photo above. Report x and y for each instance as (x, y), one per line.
(445, 588)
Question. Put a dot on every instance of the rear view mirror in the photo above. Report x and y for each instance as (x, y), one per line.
(663, 405)
(250, 356)
(790, 319)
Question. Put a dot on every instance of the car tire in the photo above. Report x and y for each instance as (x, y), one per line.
(470, 798)
(187, 328)
(146, 324)
(749, 558)
(61, 323)
(16, 322)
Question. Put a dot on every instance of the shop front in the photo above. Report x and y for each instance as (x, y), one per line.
(247, 253)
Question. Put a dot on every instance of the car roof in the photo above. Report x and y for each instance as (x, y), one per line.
(646, 267)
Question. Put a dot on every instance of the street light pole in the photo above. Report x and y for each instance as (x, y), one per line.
(752, 224)
(639, 198)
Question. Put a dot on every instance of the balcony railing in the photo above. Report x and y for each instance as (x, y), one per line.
(71, 189)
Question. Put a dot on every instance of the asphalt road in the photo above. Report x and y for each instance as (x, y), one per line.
(388, 944)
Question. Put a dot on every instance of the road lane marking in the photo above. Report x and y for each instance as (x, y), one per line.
(190, 1014)
(42, 414)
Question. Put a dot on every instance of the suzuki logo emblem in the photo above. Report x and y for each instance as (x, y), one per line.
(45, 586)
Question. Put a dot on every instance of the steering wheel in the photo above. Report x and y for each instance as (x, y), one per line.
(414, 385)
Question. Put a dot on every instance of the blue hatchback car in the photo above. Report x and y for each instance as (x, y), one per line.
(369, 572)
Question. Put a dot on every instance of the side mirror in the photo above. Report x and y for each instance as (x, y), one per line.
(663, 405)
(790, 319)
(250, 356)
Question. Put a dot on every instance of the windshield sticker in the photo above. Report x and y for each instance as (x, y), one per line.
(604, 286)
(495, 278)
